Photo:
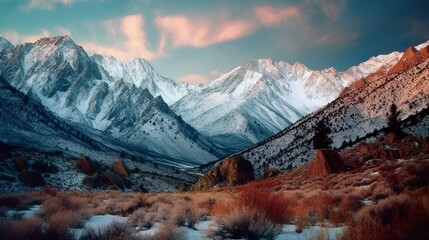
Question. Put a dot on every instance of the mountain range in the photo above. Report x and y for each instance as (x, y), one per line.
(126, 106)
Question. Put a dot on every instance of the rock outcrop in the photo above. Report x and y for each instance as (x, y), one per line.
(325, 162)
(86, 165)
(120, 168)
(411, 57)
(233, 170)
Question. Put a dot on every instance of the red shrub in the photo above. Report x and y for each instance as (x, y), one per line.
(276, 207)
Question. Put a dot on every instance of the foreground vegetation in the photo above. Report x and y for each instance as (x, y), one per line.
(374, 199)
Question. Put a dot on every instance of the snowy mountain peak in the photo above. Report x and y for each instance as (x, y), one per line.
(260, 65)
(140, 73)
(422, 45)
(5, 44)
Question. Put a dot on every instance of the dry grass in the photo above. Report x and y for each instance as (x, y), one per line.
(168, 231)
(396, 217)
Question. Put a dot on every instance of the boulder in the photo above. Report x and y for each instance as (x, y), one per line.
(112, 179)
(31, 178)
(21, 164)
(86, 165)
(233, 170)
(270, 172)
(326, 161)
(120, 168)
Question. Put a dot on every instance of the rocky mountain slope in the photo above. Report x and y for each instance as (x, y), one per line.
(257, 100)
(115, 105)
(357, 114)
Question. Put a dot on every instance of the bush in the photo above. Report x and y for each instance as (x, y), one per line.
(114, 231)
(396, 217)
(256, 213)
(33, 229)
(168, 231)
(273, 205)
(244, 223)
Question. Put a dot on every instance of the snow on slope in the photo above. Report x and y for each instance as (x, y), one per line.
(24, 121)
(140, 73)
(73, 86)
(354, 115)
(255, 101)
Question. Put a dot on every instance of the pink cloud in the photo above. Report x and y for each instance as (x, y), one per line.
(271, 16)
(129, 39)
(199, 32)
(35, 37)
(193, 79)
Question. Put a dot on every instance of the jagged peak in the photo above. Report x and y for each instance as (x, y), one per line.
(410, 53)
(5, 44)
(422, 45)
(64, 39)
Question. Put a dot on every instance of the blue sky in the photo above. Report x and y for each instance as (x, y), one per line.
(196, 41)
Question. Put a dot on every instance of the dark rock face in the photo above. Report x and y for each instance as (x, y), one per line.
(32, 178)
(120, 168)
(86, 165)
(325, 162)
(232, 171)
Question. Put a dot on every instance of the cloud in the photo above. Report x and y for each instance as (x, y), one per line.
(335, 39)
(11, 36)
(193, 79)
(16, 38)
(271, 16)
(183, 30)
(35, 37)
(44, 4)
(330, 8)
(129, 39)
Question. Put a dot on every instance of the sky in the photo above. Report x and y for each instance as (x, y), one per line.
(197, 41)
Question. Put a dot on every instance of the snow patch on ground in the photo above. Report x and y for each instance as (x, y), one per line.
(26, 214)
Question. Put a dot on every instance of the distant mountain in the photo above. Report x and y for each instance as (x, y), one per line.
(360, 113)
(118, 103)
(128, 106)
(27, 123)
(257, 100)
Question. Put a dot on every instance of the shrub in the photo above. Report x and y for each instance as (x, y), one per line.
(186, 215)
(396, 217)
(33, 229)
(273, 205)
(244, 223)
(167, 231)
(114, 231)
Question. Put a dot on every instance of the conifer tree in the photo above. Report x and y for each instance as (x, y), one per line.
(393, 124)
(321, 137)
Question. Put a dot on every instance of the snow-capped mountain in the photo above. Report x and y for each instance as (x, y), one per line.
(258, 99)
(141, 74)
(358, 114)
(25, 121)
(75, 87)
